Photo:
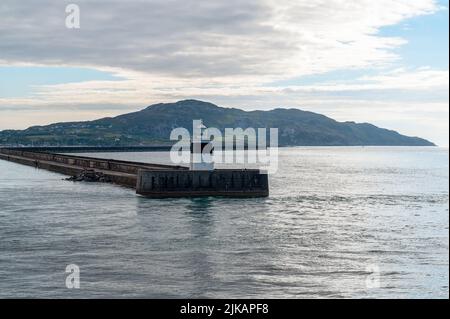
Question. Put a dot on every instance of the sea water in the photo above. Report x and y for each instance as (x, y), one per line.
(340, 222)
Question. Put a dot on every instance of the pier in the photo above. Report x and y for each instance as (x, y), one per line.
(150, 180)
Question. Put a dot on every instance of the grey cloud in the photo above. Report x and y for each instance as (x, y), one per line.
(201, 38)
(173, 37)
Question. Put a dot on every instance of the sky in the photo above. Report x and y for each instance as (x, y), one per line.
(383, 62)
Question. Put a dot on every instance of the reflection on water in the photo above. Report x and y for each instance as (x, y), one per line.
(332, 214)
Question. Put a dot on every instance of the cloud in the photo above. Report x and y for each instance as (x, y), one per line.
(191, 38)
(140, 89)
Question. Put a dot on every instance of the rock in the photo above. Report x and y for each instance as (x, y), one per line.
(89, 175)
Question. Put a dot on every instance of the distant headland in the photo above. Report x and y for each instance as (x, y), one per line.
(152, 126)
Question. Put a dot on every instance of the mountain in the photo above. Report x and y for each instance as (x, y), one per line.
(153, 125)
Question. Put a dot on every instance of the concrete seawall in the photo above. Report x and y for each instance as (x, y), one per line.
(151, 180)
(233, 183)
(95, 149)
(118, 172)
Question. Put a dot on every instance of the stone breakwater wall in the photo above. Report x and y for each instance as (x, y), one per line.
(151, 180)
(118, 172)
(224, 182)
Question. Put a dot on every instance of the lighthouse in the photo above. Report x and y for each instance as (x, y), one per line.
(202, 149)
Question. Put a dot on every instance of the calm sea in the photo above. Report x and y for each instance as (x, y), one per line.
(340, 222)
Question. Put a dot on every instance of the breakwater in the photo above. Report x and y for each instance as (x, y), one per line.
(223, 182)
(151, 180)
(95, 149)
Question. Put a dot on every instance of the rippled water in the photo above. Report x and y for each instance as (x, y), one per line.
(334, 216)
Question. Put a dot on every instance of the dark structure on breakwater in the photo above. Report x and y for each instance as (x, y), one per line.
(151, 180)
(233, 183)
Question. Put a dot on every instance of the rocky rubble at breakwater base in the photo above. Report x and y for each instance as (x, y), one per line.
(91, 176)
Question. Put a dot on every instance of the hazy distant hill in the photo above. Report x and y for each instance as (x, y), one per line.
(153, 125)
